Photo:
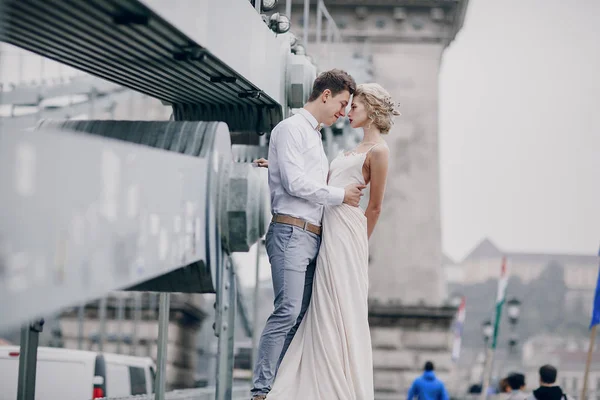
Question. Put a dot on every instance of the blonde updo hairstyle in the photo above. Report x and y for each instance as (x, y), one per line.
(380, 107)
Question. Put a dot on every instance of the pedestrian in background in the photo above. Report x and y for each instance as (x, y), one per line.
(517, 384)
(548, 389)
(428, 386)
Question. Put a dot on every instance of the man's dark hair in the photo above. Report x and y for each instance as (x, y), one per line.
(429, 366)
(335, 80)
(548, 374)
(516, 381)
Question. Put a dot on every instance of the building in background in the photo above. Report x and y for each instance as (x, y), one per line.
(482, 264)
(556, 292)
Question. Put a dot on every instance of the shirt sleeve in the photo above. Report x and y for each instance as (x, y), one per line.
(289, 146)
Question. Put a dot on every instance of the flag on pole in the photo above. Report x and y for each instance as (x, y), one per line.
(502, 284)
(596, 311)
(489, 359)
(458, 329)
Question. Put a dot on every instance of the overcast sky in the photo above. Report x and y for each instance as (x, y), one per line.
(520, 127)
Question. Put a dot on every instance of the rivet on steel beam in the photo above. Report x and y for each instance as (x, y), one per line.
(223, 79)
(130, 18)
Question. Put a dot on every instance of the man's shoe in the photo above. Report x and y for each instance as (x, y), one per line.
(259, 397)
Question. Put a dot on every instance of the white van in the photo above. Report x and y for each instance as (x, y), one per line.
(78, 375)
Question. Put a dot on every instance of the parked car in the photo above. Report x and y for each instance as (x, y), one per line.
(78, 375)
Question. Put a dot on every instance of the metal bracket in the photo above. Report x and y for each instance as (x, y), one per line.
(193, 53)
(249, 94)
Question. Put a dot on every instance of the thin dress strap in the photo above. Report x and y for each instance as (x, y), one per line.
(371, 148)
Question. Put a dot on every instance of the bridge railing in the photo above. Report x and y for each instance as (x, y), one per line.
(237, 393)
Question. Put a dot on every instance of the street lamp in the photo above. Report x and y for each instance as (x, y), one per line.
(513, 341)
(488, 330)
(513, 310)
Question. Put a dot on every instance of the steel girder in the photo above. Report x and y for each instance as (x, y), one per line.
(85, 214)
(127, 43)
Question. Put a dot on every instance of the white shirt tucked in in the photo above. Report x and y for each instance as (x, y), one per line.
(298, 169)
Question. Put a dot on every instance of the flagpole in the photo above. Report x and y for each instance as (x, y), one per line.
(489, 359)
(588, 362)
(593, 327)
(456, 346)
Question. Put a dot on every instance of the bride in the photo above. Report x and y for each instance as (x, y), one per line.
(330, 356)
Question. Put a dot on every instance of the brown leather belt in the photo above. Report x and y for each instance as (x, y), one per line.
(299, 222)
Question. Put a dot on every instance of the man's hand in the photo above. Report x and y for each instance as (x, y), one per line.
(353, 193)
(262, 162)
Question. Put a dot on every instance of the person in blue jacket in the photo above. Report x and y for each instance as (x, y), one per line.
(428, 386)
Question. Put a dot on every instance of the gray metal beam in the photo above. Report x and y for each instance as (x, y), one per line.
(84, 215)
(157, 53)
(233, 31)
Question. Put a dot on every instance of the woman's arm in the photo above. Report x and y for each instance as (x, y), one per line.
(378, 168)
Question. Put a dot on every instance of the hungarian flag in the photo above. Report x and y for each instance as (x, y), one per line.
(502, 283)
(458, 329)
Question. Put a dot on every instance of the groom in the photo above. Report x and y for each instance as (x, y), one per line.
(298, 170)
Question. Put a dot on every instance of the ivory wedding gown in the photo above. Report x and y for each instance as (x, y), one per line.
(330, 357)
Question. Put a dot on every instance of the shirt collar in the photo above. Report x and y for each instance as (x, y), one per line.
(311, 119)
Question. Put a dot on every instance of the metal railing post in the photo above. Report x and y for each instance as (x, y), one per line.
(306, 19)
(102, 324)
(137, 299)
(224, 329)
(163, 341)
(255, 328)
(288, 9)
(120, 318)
(319, 23)
(28, 360)
(80, 331)
(152, 300)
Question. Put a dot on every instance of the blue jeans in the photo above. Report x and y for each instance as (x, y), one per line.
(293, 255)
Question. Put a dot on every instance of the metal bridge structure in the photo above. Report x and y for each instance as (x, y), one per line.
(92, 206)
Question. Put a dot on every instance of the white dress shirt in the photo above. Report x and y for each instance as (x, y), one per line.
(298, 169)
